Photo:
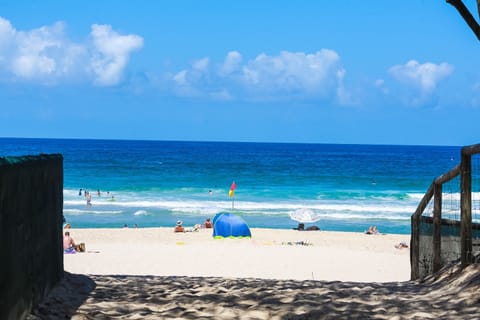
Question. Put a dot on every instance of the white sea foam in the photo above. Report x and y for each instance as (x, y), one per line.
(148, 204)
(258, 206)
(88, 211)
(141, 213)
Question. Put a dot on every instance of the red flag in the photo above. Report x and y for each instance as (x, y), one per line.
(231, 193)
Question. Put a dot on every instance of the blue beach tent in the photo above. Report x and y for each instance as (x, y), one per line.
(229, 225)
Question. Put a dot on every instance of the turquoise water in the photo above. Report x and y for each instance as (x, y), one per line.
(155, 183)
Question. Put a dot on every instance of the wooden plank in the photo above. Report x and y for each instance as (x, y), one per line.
(470, 150)
(425, 200)
(466, 209)
(437, 227)
(415, 248)
(455, 171)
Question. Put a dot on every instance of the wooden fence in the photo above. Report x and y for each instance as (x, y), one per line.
(435, 191)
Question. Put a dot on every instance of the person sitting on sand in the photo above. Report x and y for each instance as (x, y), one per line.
(68, 241)
(372, 230)
(301, 227)
(208, 223)
(69, 244)
(179, 227)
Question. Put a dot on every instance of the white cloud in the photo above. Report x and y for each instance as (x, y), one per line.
(38, 54)
(232, 63)
(315, 74)
(288, 75)
(45, 55)
(181, 78)
(189, 82)
(201, 65)
(424, 76)
(7, 33)
(111, 54)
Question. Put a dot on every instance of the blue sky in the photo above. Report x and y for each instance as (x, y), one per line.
(377, 72)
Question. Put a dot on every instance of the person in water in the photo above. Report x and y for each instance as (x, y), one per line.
(89, 199)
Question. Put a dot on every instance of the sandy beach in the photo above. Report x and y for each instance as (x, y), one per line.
(278, 274)
(269, 254)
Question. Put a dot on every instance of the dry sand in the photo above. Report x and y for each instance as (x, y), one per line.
(269, 254)
(156, 274)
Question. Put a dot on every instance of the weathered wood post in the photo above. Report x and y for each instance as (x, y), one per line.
(466, 208)
(435, 189)
(415, 238)
(414, 249)
(437, 227)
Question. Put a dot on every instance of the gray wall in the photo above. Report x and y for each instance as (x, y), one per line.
(31, 250)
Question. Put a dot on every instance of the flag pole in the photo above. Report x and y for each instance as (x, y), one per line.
(231, 193)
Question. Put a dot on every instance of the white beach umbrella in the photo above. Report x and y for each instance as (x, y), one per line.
(304, 215)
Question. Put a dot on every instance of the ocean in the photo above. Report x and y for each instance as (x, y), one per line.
(156, 183)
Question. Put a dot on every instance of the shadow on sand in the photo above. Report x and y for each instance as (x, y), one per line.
(454, 294)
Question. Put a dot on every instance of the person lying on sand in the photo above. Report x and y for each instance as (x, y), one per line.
(297, 243)
(195, 228)
(401, 245)
(301, 227)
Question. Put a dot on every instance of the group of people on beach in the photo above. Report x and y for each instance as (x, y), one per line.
(372, 230)
(88, 195)
(180, 228)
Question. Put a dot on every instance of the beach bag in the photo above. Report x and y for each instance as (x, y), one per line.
(81, 247)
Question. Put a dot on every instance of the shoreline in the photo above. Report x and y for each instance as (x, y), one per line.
(120, 227)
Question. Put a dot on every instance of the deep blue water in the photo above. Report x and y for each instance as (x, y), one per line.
(155, 183)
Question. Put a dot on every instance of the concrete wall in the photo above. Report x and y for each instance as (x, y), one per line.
(31, 250)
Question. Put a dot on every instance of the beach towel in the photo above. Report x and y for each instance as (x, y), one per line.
(69, 251)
